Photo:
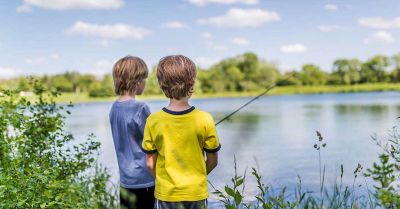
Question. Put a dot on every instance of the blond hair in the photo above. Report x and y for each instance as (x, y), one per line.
(176, 76)
(127, 72)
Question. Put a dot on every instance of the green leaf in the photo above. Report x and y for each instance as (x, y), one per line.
(229, 191)
(238, 198)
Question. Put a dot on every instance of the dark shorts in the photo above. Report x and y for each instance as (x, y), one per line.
(201, 204)
(137, 198)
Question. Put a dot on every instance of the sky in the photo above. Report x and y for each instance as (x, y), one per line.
(53, 36)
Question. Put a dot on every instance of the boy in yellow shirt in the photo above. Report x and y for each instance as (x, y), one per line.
(176, 138)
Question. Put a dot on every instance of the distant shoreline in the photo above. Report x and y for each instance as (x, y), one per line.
(280, 90)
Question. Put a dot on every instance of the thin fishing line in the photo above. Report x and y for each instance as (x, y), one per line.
(255, 98)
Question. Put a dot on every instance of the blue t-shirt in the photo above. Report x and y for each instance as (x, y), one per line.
(127, 120)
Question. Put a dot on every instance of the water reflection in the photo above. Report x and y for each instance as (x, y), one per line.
(356, 109)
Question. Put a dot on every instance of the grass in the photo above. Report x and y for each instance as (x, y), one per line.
(337, 197)
(281, 90)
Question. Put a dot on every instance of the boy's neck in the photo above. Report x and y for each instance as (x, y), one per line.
(126, 97)
(179, 104)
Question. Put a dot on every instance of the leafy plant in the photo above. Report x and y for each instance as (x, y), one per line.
(386, 173)
(232, 196)
(40, 165)
(337, 197)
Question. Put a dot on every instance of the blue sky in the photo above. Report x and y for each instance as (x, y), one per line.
(53, 36)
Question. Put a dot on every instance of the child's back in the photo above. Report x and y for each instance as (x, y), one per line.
(179, 138)
(127, 119)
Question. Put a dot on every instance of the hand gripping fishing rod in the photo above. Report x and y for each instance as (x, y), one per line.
(255, 98)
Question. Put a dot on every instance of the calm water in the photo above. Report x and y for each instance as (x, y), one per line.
(275, 134)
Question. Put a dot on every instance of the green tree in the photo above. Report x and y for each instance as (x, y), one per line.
(84, 82)
(73, 78)
(205, 80)
(395, 76)
(294, 80)
(104, 88)
(217, 75)
(248, 65)
(347, 70)
(267, 74)
(374, 70)
(241, 73)
(23, 84)
(312, 75)
(233, 76)
(152, 87)
(61, 83)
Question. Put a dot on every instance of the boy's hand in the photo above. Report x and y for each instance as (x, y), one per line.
(211, 161)
(151, 160)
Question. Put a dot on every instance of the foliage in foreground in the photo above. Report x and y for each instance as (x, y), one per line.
(385, 174)
(40, 166)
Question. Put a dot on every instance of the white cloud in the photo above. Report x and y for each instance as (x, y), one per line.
(69, 4)
(36, 60)
(293, 48)
(381, 37)
(240, 41)
(379, 22)
(8, 72)
(330, 7)
(25, 8)
(205, 2)
(330, 28)
(205, 62)
(384, 36)
(206, 35)
(237, 17)
(115, 31)
(174, 25)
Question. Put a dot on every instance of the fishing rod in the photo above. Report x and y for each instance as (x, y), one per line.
(255, 98)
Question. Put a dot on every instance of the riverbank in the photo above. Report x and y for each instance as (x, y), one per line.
(280, 90)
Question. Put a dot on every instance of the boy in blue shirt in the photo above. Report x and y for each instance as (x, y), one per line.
(128, 118)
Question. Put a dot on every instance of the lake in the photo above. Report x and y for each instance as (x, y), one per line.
(276, 134)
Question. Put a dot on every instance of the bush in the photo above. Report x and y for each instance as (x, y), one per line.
(40, 166)
(386, 173)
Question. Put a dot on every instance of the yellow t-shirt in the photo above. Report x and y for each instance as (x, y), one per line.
(180, 139)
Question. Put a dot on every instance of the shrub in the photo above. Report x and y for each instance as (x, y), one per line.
(40, 164)
(386, 173)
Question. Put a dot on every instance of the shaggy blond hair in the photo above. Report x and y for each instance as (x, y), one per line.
(176, 75)
(127, 72)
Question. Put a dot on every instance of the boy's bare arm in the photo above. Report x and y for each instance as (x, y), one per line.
(151, 160)
(211, 161)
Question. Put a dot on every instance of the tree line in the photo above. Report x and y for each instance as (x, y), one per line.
(243, 73)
